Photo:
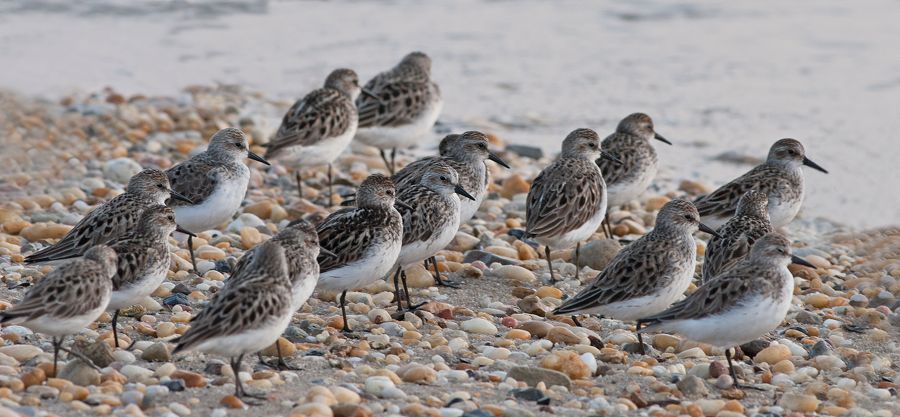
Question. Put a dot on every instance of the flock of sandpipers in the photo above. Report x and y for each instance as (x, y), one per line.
(121, 252)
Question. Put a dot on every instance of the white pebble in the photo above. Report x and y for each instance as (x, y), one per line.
(479, 326)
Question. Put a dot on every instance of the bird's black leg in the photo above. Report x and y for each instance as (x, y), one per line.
(190, 244)
(346, 327)
(437, 274)
(577, 256)
(56, 344)
(115, 320)
(575, 320)
(397, 289)
(640, 337)
(330, 185)
(549, 263)
(299, 183)
(393, 161)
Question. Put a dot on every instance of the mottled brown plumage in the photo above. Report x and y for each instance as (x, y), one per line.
(750, 222)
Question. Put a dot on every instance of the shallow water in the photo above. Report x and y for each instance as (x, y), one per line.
(715, 76)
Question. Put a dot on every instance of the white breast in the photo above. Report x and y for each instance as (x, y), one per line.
(129, 296)
(403, 136)
(249, 341)
(302, 289)
(218, 208)
(419, 251)
(57, 326)
(782, 212)
(625, 191)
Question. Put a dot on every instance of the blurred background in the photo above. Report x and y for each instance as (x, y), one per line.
(723, 80)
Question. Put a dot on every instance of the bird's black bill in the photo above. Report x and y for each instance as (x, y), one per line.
(609, 157)
(369, 93)
(707, 229)
(404, 205)
(660, 138)
(800, 261)
(461, 191)
(257, 158)
(185, 231)
(813, 165)
(179, 196)
(497, 159)
(323, 251)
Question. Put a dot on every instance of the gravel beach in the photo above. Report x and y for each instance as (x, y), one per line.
(491, 348)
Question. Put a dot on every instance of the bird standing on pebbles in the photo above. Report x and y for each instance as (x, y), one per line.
(648, 275)
(319, 126)
(567, 201)
(365, 240)
(467, 155)
(68, 299)
(430, 221)
(114, 219)
(214, 180)
(405, 104)
(630, 143)
(750, 222)
(301, 247)
(780, 178)
(143, 260)
(247, 316)
(739, 305)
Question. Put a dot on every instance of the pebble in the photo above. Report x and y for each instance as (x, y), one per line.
(21, 353)
(533, 376)
(773, 354)
(479, 326)
(515, 273)
(799, 402)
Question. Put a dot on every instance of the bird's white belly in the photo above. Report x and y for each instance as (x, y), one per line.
(320, 153)
(302, 289)
(468, 208)
(129, 296)
(57, 326)
(419, 251)
(403, 136)
(752, 319)
(375, 265)
(623, 192)
(648, 305)
(248, 341)
(783, 212)
(218, 208)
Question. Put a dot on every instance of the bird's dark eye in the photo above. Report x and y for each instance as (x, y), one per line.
(160, 186)
(592, 145)
(444, 178)
(482, 145)
(239, 145)
(689, 217)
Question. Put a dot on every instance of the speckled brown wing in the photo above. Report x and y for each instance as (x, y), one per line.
(350, 232)
(616, 282)
(715, 297)
(69, 291)
(398, 103)
(238, 308)
(134, 256)
(563, 197)
(322, 114)
(723, 201)
(195, 178)
(411, 174)
(629, 149)
(738, 235)
(106, 223)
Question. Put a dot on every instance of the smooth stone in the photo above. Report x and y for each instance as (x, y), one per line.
(532, 376)
(121, 170)
(479, 326)
(597, 254)
(21, 353)
(488, 258)
(692, 386)
(80, 373)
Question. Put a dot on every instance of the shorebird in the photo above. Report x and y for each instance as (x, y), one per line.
(112, 220)
(780, 177)
(630, 143)
(365, 239)
(430, 221)
(68, 299)
(404, 106)
(567, 201)
(246, 317)
(648, 275)
(143, 260)
(467, 155)
(750, 222)
(319, 126)
(739, 305)
(301, 247)
(215, 181)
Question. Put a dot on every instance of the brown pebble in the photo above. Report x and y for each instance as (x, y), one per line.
(231, 401)
(191, 379)
(35, 376)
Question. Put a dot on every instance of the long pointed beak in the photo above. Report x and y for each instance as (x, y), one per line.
(367, 92)
(257, 158)
(609, 157)
(710, 230)
(462, 191)
(185, 231)
(660, 138)
(404, 205)
(179, 196)
(497, 159)
(813, 165)
(800, 261)
(323, 251)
